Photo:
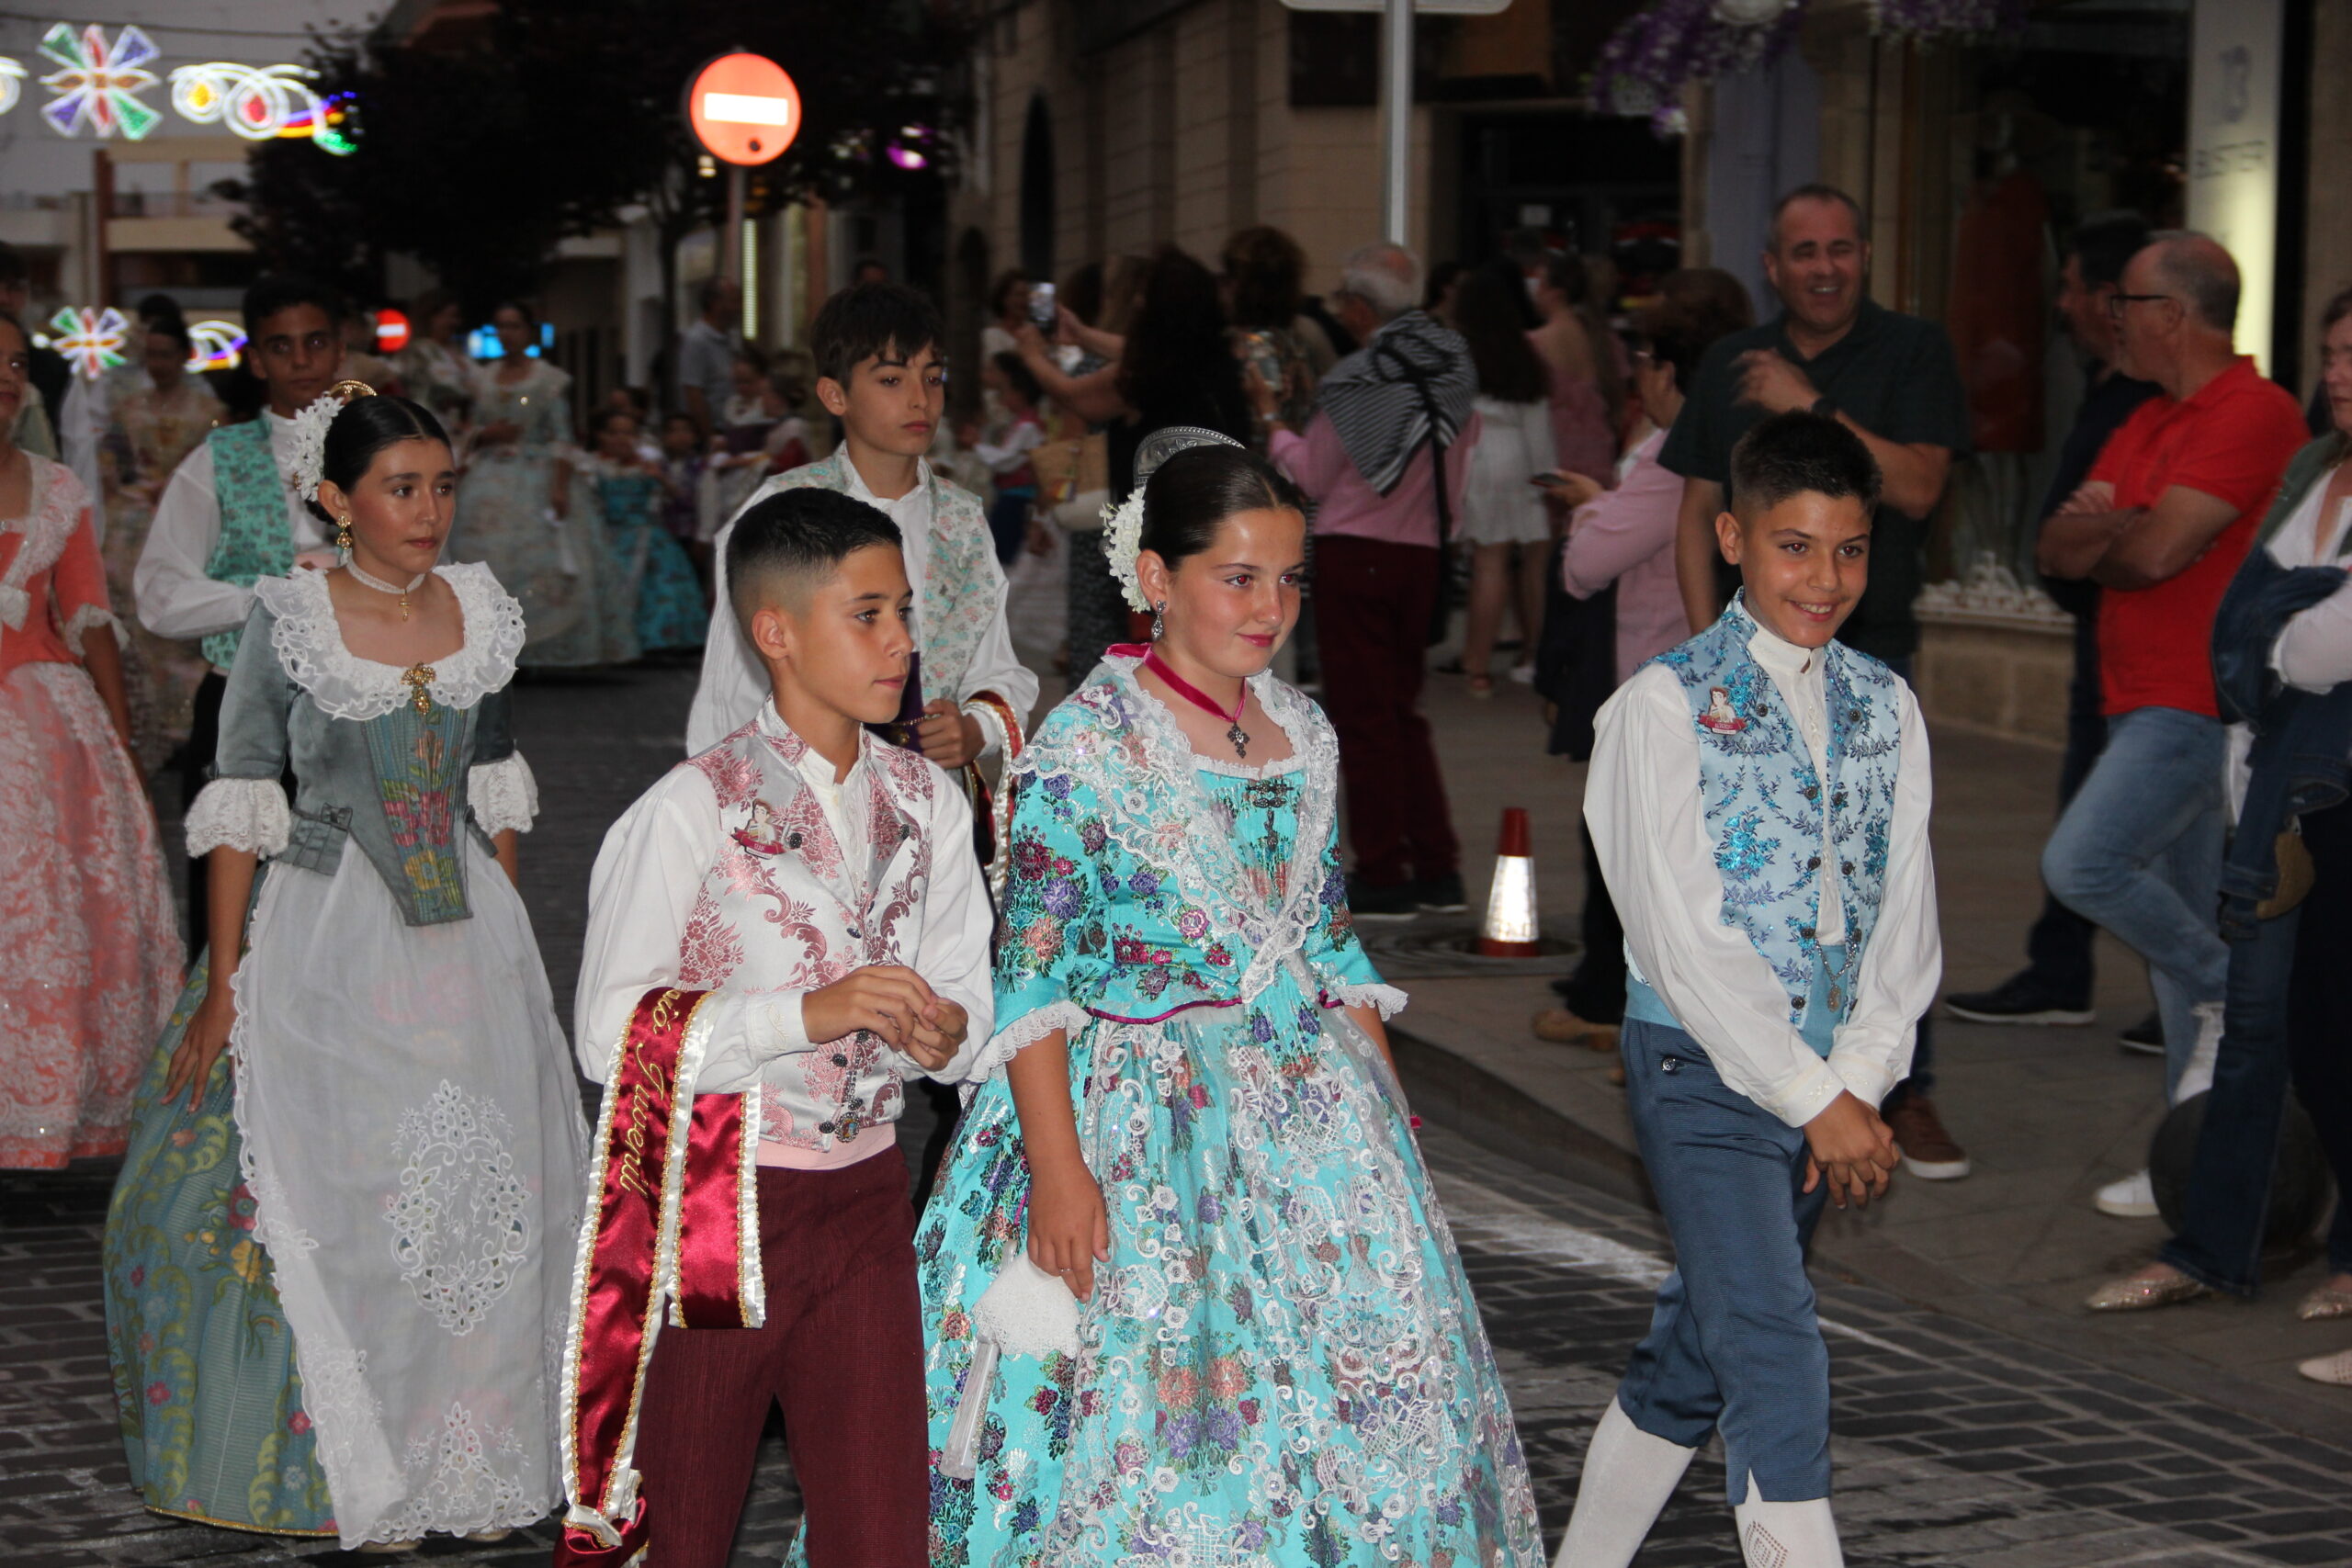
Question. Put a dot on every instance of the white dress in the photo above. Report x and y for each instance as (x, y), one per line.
(1500, 506)
(412, 1135)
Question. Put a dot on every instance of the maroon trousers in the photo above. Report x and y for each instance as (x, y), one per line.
(1372, 602)
(842, 1352)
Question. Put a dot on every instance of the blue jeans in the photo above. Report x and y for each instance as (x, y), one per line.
(2138, 851)
(1735, 1343)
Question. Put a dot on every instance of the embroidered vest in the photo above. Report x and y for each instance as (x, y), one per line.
(253, 541)
(786, 906)
(1764, 803)
(962, 588)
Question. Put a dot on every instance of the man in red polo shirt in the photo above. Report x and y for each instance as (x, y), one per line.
(2161, 525)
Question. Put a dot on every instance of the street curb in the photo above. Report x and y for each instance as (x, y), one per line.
(1459, 1094)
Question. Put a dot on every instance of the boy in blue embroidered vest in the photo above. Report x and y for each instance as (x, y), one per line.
(818, 882)
(231, 514)
(1758, 798)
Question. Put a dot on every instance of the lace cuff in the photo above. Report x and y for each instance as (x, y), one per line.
(504, 795)
(82, 619)
(1023, 1032)
(1388, 999)
(240, 814)
(15, 605)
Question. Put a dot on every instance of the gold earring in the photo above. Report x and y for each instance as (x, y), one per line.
(343, 535)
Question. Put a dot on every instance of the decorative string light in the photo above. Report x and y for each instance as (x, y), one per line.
(91, 339)
(99, 87)
(218, 345)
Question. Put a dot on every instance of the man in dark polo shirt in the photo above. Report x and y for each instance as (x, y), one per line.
(1892, 380)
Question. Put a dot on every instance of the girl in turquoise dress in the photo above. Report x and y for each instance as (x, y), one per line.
(662, 585)
(1188, 1117)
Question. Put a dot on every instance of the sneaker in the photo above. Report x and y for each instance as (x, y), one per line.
(1929, 1153)
(2024, 998)
(2197, 1077)
(1440, 894)
(1395, 902)
(2145, 1038)
(2133, 1198)
(1524, 673)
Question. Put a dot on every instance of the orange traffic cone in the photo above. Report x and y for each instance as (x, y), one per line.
(1509, 930)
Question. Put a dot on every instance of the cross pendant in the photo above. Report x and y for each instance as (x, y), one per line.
(1241, 739)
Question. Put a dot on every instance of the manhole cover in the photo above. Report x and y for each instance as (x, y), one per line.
(1437, 947)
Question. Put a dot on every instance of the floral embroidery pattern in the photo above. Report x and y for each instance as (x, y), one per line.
(1764, 800)
(461, 1219)
(420, 771)
(1281, 1365)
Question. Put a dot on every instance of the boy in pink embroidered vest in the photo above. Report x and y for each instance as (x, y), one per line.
(821, 882)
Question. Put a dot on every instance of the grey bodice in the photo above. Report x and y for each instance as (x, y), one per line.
(395, 784)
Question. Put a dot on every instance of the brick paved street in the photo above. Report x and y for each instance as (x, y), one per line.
(1956, 1443)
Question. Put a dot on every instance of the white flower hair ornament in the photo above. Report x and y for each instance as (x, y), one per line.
(1122, 525)
(309, 456)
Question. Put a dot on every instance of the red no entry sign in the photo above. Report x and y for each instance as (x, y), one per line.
(743, 108)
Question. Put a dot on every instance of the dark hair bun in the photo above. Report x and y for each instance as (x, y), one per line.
(367, 424)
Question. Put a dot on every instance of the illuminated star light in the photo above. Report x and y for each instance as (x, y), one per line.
(12, 80)
(217, 345)
(257, 102)
(91, 339)
(99, 86)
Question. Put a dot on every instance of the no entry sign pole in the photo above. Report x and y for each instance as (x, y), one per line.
(743, 109)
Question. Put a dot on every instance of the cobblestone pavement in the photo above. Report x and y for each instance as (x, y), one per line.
(1955, 1444)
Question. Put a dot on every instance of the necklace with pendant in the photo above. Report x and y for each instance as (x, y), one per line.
(1200, 699)
(360, 576)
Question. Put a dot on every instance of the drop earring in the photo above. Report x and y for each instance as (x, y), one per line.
(343, 535)
(1159, 620)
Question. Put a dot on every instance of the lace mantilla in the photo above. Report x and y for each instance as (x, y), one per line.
(240, 814)
(504, 795)
(309, 642)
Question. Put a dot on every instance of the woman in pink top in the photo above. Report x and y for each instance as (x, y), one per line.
(1626, 537)
(93, 944)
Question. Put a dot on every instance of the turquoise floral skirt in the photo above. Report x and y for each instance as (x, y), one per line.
(1281, 1363)
(205, 1383)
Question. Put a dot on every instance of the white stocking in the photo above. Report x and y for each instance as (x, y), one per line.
(1628, 1476)
(1787, 1535)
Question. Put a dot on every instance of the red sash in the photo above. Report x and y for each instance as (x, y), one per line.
(675, 1226)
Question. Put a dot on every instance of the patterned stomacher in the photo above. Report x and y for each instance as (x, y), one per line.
(1764, 799)
(1282, 1364)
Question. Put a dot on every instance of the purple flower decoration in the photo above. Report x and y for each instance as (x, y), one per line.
(1221, 1428)
(1062, 898)
(1183, 1435)
(1143, 883)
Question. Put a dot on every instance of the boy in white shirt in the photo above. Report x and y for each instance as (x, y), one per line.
(881, 371)
(790, 924)
(1758, 798)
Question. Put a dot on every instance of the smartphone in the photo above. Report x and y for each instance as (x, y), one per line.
(1547, 478)
(1044, 309)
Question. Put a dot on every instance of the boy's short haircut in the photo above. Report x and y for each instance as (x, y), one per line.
(869, 321)
(275, 291)
(1010, 366)
(1800, 453)
(793, 540)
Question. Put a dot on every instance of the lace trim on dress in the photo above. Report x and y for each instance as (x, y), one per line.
(57, 502)
(1142, 768)
(251, 814)
(309, 642)
(87, 616)
(504, 795)
(1022, 1032)
(1387, 999)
